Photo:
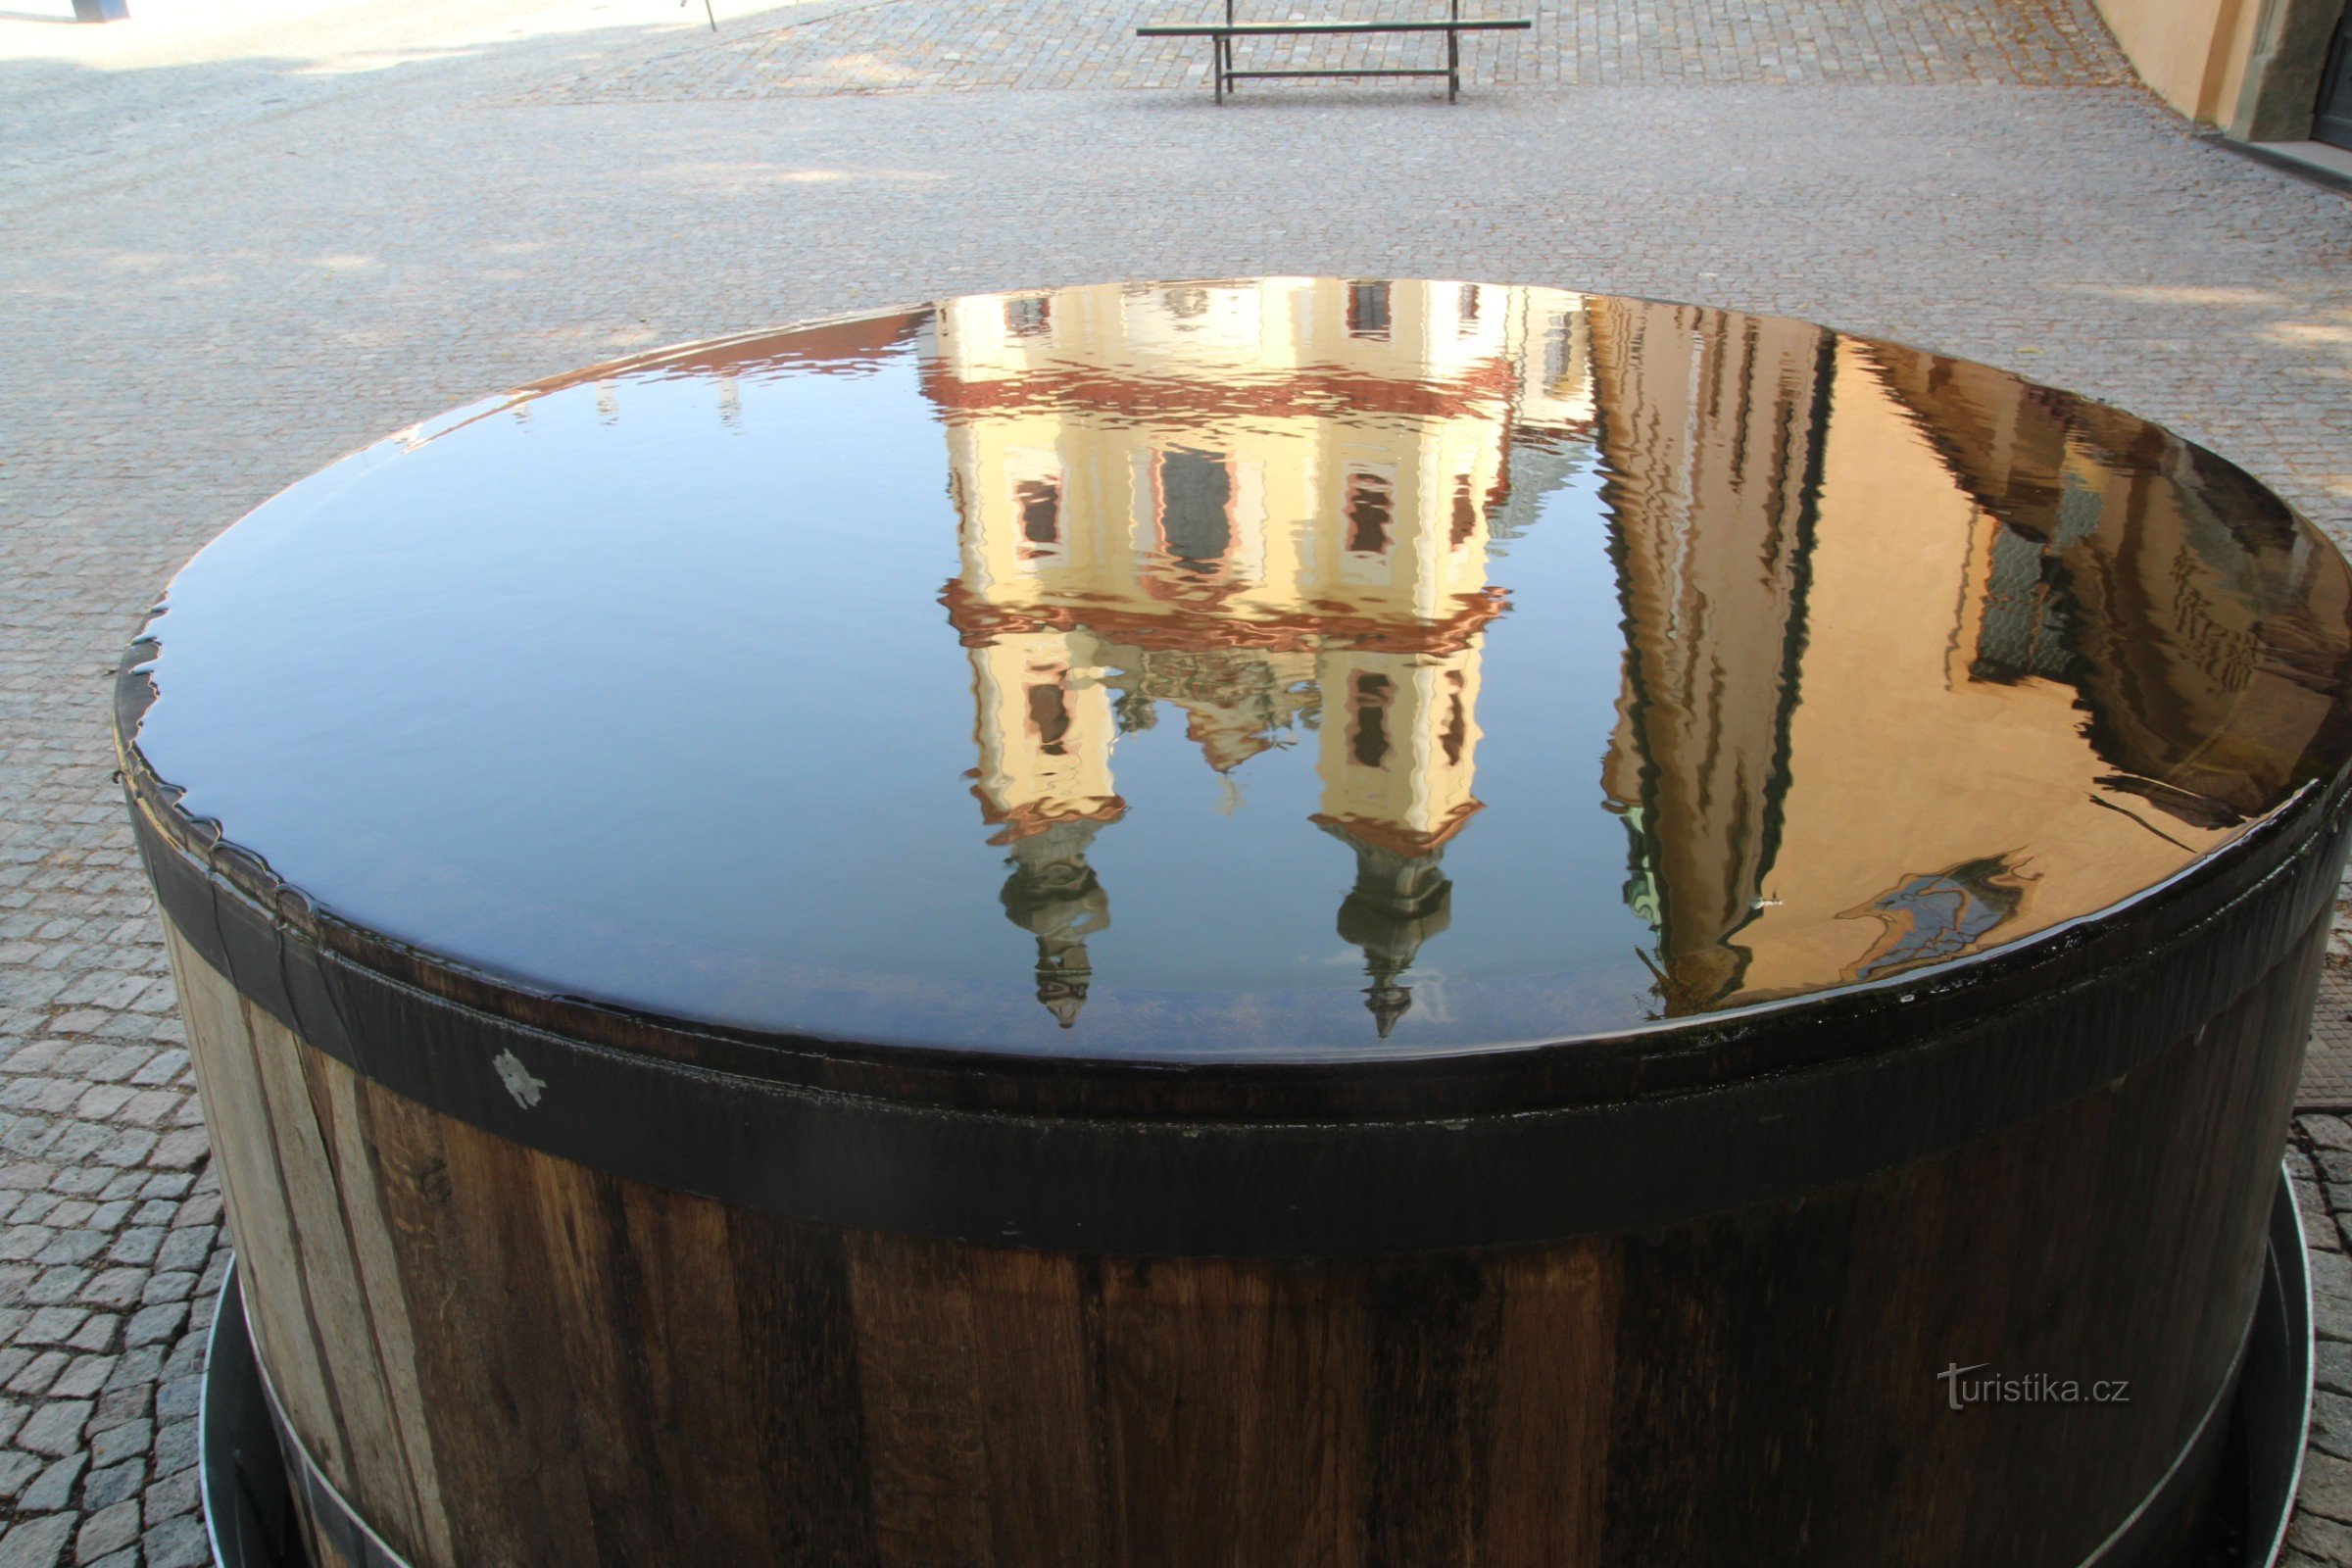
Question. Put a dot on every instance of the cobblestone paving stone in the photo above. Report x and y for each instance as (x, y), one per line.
(2320, 1159)
(903, 45)
(182, 334)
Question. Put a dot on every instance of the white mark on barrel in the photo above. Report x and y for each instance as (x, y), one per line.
(518, 1078)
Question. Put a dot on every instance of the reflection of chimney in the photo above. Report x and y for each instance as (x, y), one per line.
(1054, 893)
(1398, 902)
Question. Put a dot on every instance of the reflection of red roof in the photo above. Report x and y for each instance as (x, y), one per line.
(1397, 839)
(1318, 390)
(1032, 818)
(830, 347)
(1191, 628)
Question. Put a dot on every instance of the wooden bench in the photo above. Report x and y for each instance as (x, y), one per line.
(1221, 36)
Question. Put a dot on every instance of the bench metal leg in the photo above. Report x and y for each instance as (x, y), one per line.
(1225, 57)
(1453, 53)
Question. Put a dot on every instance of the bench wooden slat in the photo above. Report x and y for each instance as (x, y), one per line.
(1249, 29)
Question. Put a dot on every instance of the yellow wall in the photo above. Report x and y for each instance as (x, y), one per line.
(2183, 48)
(2250, 67)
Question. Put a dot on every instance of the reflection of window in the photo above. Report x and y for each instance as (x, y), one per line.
(1457, 726)
(1468, 310)
(1183, 304)
(1049, 718)
(1196, 498)
(1465, 513)
(2026, 631)
(1027, 317)
(1371, 505)
(1368, 310)
(1369, 701)
(1040, 501)
(1557, 343)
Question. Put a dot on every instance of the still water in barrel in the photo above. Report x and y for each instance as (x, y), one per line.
(1272, 668)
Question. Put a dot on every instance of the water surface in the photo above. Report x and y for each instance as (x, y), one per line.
(1254, 667)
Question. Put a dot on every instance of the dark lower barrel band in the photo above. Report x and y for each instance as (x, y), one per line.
(1295, 1188)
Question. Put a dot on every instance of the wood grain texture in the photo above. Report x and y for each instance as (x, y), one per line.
(503, 1357)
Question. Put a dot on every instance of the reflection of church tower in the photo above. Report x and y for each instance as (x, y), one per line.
(1269, 506)
(1045, 779)
(1399, 754)
(1054, 893)
(1398, 902)
(1711, 429)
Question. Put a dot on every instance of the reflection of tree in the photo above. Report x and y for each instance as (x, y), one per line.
(2202, 628)
(1711, 430)
(1237, 702)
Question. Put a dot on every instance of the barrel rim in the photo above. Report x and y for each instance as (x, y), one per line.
(1661, 1056)
(1667, 1056)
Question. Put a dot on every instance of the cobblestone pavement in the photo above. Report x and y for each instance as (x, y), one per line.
(903, 45)
(184, 331)
(2320, 1159)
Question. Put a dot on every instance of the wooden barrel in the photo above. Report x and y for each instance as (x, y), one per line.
(1715, 971)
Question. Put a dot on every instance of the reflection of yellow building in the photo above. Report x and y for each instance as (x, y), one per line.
(1967, 755)
(1918, 659)
(1266, 505)
(1954, 658)
(2170, 590)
